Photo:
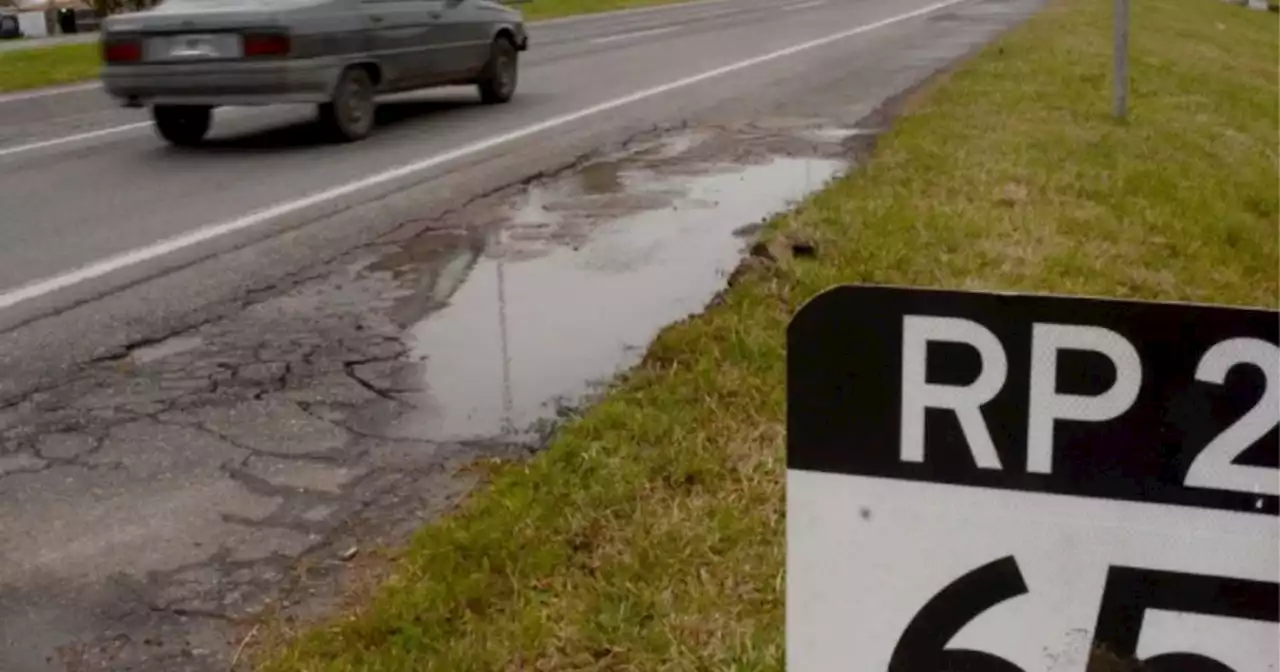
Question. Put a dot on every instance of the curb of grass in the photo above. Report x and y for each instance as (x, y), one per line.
(36, 68)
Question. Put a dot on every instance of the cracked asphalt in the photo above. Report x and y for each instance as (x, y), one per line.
(196, 449)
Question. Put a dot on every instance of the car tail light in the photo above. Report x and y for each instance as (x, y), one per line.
(122, 51)
(266, 44)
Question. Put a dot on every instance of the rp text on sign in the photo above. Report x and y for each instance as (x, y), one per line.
(1013, 483)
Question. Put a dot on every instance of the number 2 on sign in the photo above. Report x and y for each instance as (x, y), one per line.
(1129, 592)
(1214, 467)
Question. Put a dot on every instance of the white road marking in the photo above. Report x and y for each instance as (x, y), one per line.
(633, 34)
(212, 231)
(89, 135)
(50, 91)
(220, 113)
(804, 5)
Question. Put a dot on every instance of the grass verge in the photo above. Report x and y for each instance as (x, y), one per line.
(37, 67)
(650, 535)
(537, 10)
(48, 66)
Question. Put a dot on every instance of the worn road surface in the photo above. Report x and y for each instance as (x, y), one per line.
(223, 369)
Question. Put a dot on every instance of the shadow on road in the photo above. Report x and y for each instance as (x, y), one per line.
(308, 133)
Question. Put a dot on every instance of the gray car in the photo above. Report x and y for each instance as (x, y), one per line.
(185, 57)
(9, 26)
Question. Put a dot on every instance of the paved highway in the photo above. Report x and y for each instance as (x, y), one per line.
(83, 181)
(91, 201)
(140, 494)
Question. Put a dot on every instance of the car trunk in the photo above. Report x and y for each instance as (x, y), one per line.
(197, 31)
(204, 15)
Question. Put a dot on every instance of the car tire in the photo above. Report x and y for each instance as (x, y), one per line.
(182, 125)
(501, 73)
(349, 116)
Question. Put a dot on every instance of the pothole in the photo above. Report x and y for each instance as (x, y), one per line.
(586, 272)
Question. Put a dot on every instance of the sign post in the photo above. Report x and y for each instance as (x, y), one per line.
(1013, 483)
(1120, 76)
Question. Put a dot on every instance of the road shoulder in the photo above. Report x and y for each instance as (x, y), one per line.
(650, 534)
(295, 403)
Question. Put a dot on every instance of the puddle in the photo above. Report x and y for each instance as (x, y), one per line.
(165, 348)
(572, 291)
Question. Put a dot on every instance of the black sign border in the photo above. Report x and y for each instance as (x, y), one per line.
(825, 458)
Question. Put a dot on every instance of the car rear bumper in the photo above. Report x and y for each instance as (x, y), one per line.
(226, 83)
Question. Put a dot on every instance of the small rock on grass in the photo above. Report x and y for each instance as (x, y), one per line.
(783, 247)
(1012, 194)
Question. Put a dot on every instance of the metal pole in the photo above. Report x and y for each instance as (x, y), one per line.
(1121, 74)
(508, 426)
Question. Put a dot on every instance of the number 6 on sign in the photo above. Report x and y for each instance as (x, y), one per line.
(922, 644)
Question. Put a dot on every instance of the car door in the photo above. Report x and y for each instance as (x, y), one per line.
(402, 32)
(464, 35)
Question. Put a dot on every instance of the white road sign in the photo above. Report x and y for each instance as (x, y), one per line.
(1008, 483)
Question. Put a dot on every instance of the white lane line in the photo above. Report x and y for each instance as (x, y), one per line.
(803, 5)
(221, 113)
(212, 231)
(45, 92)
(633, 34)
(6, 151)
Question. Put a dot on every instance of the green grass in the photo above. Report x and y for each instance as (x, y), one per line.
(63, 64)
(48, 66)
(537, 10)
(650, 535)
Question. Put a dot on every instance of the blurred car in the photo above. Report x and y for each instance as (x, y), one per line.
(72, 20)
(183, 58)
(10, 29)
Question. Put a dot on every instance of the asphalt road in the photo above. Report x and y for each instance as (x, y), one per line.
(110, 239)
(71, 204)
(83, 181)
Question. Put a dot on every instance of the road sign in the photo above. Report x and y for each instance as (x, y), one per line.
(1013, 483)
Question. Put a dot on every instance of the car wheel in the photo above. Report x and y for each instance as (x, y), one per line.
(349, 117)
(498, 81)
(182, 125)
